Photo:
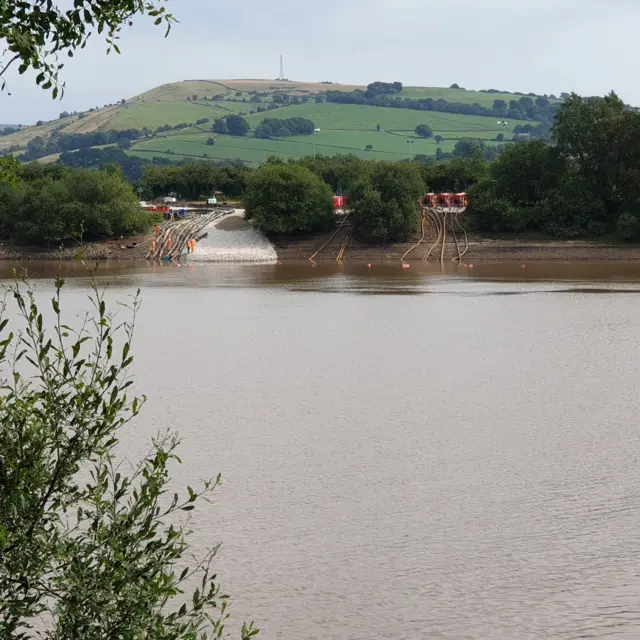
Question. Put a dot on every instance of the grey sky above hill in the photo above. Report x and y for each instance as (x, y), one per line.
(548, 46)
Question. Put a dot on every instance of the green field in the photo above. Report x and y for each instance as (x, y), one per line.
(386, 146)
(157, 114)
(457, 95)
(351, 117)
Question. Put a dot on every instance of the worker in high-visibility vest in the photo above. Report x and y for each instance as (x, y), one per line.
(157, 229)
(169, 243)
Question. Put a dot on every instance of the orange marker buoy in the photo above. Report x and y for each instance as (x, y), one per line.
(369, 266)
(523, 266)
(470, 266)
(405, 265)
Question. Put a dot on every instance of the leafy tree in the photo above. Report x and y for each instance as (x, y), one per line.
(500, 108)
(500, 137)
(369, 147)
(124, 144)
(98, 557)
(237, 126)
(526, 172)
(55, 204)
(385, 202)
(526, 102)
(340, 172)
(10, 170)
(288, 198)
(210, 141)
(424, 131)
(378, 127)
(279, 127)
(468, 148)
(439, 139)
(219, 126)
(36, 38)
(91, 158)
(454, 176)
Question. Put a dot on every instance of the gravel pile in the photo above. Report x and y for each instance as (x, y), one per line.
(245, 245)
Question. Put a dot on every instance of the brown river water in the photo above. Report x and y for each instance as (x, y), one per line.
(419, 453)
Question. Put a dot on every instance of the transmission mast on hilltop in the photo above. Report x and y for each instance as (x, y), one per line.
(281, 76)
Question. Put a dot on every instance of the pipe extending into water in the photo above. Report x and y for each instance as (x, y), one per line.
(417, 244)
(345, 244)
(434, 218)
(333, 235)
(444, 236)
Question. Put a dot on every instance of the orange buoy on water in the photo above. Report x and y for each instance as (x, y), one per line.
(405, 265)
(369, 266)
(523, 266)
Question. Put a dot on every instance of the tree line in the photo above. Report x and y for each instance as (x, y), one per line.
(583, 184)
(52, 204)
(39, 146)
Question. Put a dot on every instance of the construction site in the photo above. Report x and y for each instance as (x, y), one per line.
(440, 236)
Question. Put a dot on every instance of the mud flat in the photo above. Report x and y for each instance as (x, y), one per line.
(480, 249)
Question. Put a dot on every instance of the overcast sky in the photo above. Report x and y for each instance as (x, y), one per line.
(546, 46)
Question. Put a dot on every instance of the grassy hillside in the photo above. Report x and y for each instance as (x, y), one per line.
(345, 128)
(157, 114)
(256, 151)
(457, 95)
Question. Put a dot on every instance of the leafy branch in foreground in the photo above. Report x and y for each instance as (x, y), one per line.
(37, 32)
(87, 549)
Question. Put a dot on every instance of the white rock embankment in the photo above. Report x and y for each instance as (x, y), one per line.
(231, 239)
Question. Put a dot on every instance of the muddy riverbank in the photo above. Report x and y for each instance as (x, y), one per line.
(481, 249)
(485, 249)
